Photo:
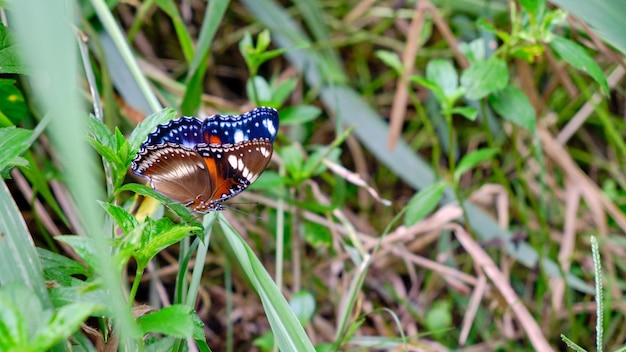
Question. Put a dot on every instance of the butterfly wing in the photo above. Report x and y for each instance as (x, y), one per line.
(233, 167)
(186, 131)
(260, 123)
(175, 171)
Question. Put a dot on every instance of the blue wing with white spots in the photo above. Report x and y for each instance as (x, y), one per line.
(260, 123)
(185, 131)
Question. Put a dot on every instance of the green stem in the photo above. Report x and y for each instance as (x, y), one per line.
(198, 268)
(452, 168)
(135, 287)
(430, 130)
(228, 285)
(280, 230)
(451, 161)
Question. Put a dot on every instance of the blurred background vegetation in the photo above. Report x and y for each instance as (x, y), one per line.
(440, 170)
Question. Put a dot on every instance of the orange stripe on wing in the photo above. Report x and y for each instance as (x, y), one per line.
(212, 170)
(225, 188)
(220, 186)
(213, 139)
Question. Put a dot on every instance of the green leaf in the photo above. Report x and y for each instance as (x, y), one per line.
(299, 114)
(13, 142)
(422, 203)
(259, 91)
(605, 17)
(84, 247)
(147, 126)
(390, 59)
(166, 343)
(12, 103)
(114, 148)
(17, 161)
(125, 220)
(17, 304)
(468, 112)
(186, 44)
(101, 133)
(291, 155)
(9, 56)
(64, 322)
(316, 235)
(486, 25)
(266, 341)
(107, 153)
(433, 87)
(268, 55)
(475, 50)
(513, 105)
(484, 77)
(182, 211)
(59, 268)
(283, 91)
(472, 159)
(31, 327)
(263, 40)
(4, 121)
(314, 205)
(120, 141)
(576, 56)
(127, 246)
(79, 291)
(268, 180)
(123, 147)
(314, 166)
(533, 7)
(442, 73)
(175, 320)
(527, 52)
(158, 235)
(256, 56)
(325, 347)
(303, 305)
(439, 317)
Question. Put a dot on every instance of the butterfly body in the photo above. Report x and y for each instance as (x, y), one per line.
(203, 163)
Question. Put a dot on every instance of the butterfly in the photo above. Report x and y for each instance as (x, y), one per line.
(203, 163)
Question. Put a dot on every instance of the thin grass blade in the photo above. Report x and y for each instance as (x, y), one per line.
(285, 325)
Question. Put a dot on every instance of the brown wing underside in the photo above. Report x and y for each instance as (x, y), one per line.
(176, 172)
